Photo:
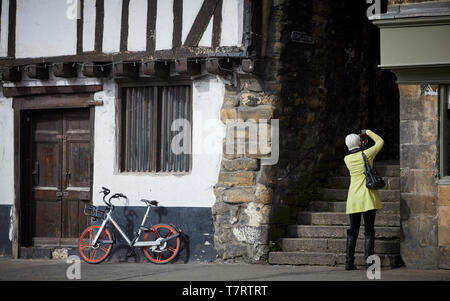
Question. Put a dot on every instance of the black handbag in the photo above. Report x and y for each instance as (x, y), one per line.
(373, 179)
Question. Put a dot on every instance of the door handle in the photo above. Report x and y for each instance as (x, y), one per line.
(35, 173)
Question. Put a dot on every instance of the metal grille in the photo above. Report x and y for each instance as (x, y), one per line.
(148, 129)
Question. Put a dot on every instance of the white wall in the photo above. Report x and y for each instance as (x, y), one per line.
(89, 25)
(43, 28)
(192, 190)
(112, 25)
(232, 23)
(164, 24)
(137, 25)
(4, 29)
(6, 151)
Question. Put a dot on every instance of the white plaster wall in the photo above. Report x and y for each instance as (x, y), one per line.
(137, 25)
(4, 28)
(164, 24)
(191, 190)
(44, 29)
(112, 25)
(232, 23)
(6, 151)
(89, 25)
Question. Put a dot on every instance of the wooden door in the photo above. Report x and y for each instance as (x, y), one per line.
(61, 173)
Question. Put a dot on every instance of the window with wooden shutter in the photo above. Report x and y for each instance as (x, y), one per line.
(156, 128)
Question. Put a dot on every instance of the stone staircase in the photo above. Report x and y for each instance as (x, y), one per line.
(320, 236)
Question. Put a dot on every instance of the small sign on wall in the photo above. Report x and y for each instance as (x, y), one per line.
(302, 37)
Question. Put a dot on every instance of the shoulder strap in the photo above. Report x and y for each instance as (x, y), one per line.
(364, 157)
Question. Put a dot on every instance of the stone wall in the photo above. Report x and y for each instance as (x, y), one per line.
(320, 92)
(327, 89)
(243, 205)
(419, 138)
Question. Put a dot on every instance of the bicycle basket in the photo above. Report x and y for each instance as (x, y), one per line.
(94, 211)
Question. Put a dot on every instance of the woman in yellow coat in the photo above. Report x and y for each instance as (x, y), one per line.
(360, 199)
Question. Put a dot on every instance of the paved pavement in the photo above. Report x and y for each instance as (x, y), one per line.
(57, 270)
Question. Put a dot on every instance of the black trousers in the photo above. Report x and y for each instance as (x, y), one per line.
(369, 222)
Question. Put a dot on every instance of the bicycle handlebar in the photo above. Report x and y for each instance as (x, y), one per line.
(106, 191)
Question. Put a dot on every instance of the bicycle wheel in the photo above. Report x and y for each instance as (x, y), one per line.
(99, 252)
(165, 252)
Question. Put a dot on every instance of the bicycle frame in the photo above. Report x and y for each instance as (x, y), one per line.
(134, 243)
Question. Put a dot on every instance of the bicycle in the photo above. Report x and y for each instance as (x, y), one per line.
(161, 243)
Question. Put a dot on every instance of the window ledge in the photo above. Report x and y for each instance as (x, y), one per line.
(444, 181)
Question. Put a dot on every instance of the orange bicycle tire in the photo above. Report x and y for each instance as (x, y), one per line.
(106, 250)
(171, 249)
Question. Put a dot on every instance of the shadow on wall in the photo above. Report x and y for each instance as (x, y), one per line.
(195, 224)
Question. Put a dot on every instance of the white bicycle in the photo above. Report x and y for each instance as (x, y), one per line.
(161, 243)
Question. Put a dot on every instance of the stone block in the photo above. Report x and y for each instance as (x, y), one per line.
(239, 195)
(228, 114)
(256, 113)
(444, 216)
(444, 257)
(418, 156)
(420, 231)
(413, 204)
(419, 131)
(416, 257)
(263, 194)
(419, 108)
(444, 195)
(444, 236)
(418, 181)
(409, 90)
(251, 99)
(246, 164)
(242, 178)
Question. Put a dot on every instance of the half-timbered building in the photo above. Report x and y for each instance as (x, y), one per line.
(232, 114)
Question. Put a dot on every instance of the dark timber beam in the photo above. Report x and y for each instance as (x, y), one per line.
(177, 23)
(190, 68)
(151, 25)
(201, 23)
(217, 25)
(126, 69)
(95, 70)
(99, 25)
(219, 66)
(66, 70)
(156, 69)
(12, 74)
(38, 71)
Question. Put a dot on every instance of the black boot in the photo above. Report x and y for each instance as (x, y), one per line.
(350, 251)
(369, 246)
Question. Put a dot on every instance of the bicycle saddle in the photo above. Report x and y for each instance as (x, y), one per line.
(150, 203)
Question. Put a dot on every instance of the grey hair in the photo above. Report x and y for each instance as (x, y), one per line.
(352, 141)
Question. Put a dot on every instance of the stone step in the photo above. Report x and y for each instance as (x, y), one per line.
(385, 170)
(341, 195)
(329, 206)
(342, 219)
(310, 231)
(330, 259)
(392, 183)
(336, 245)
